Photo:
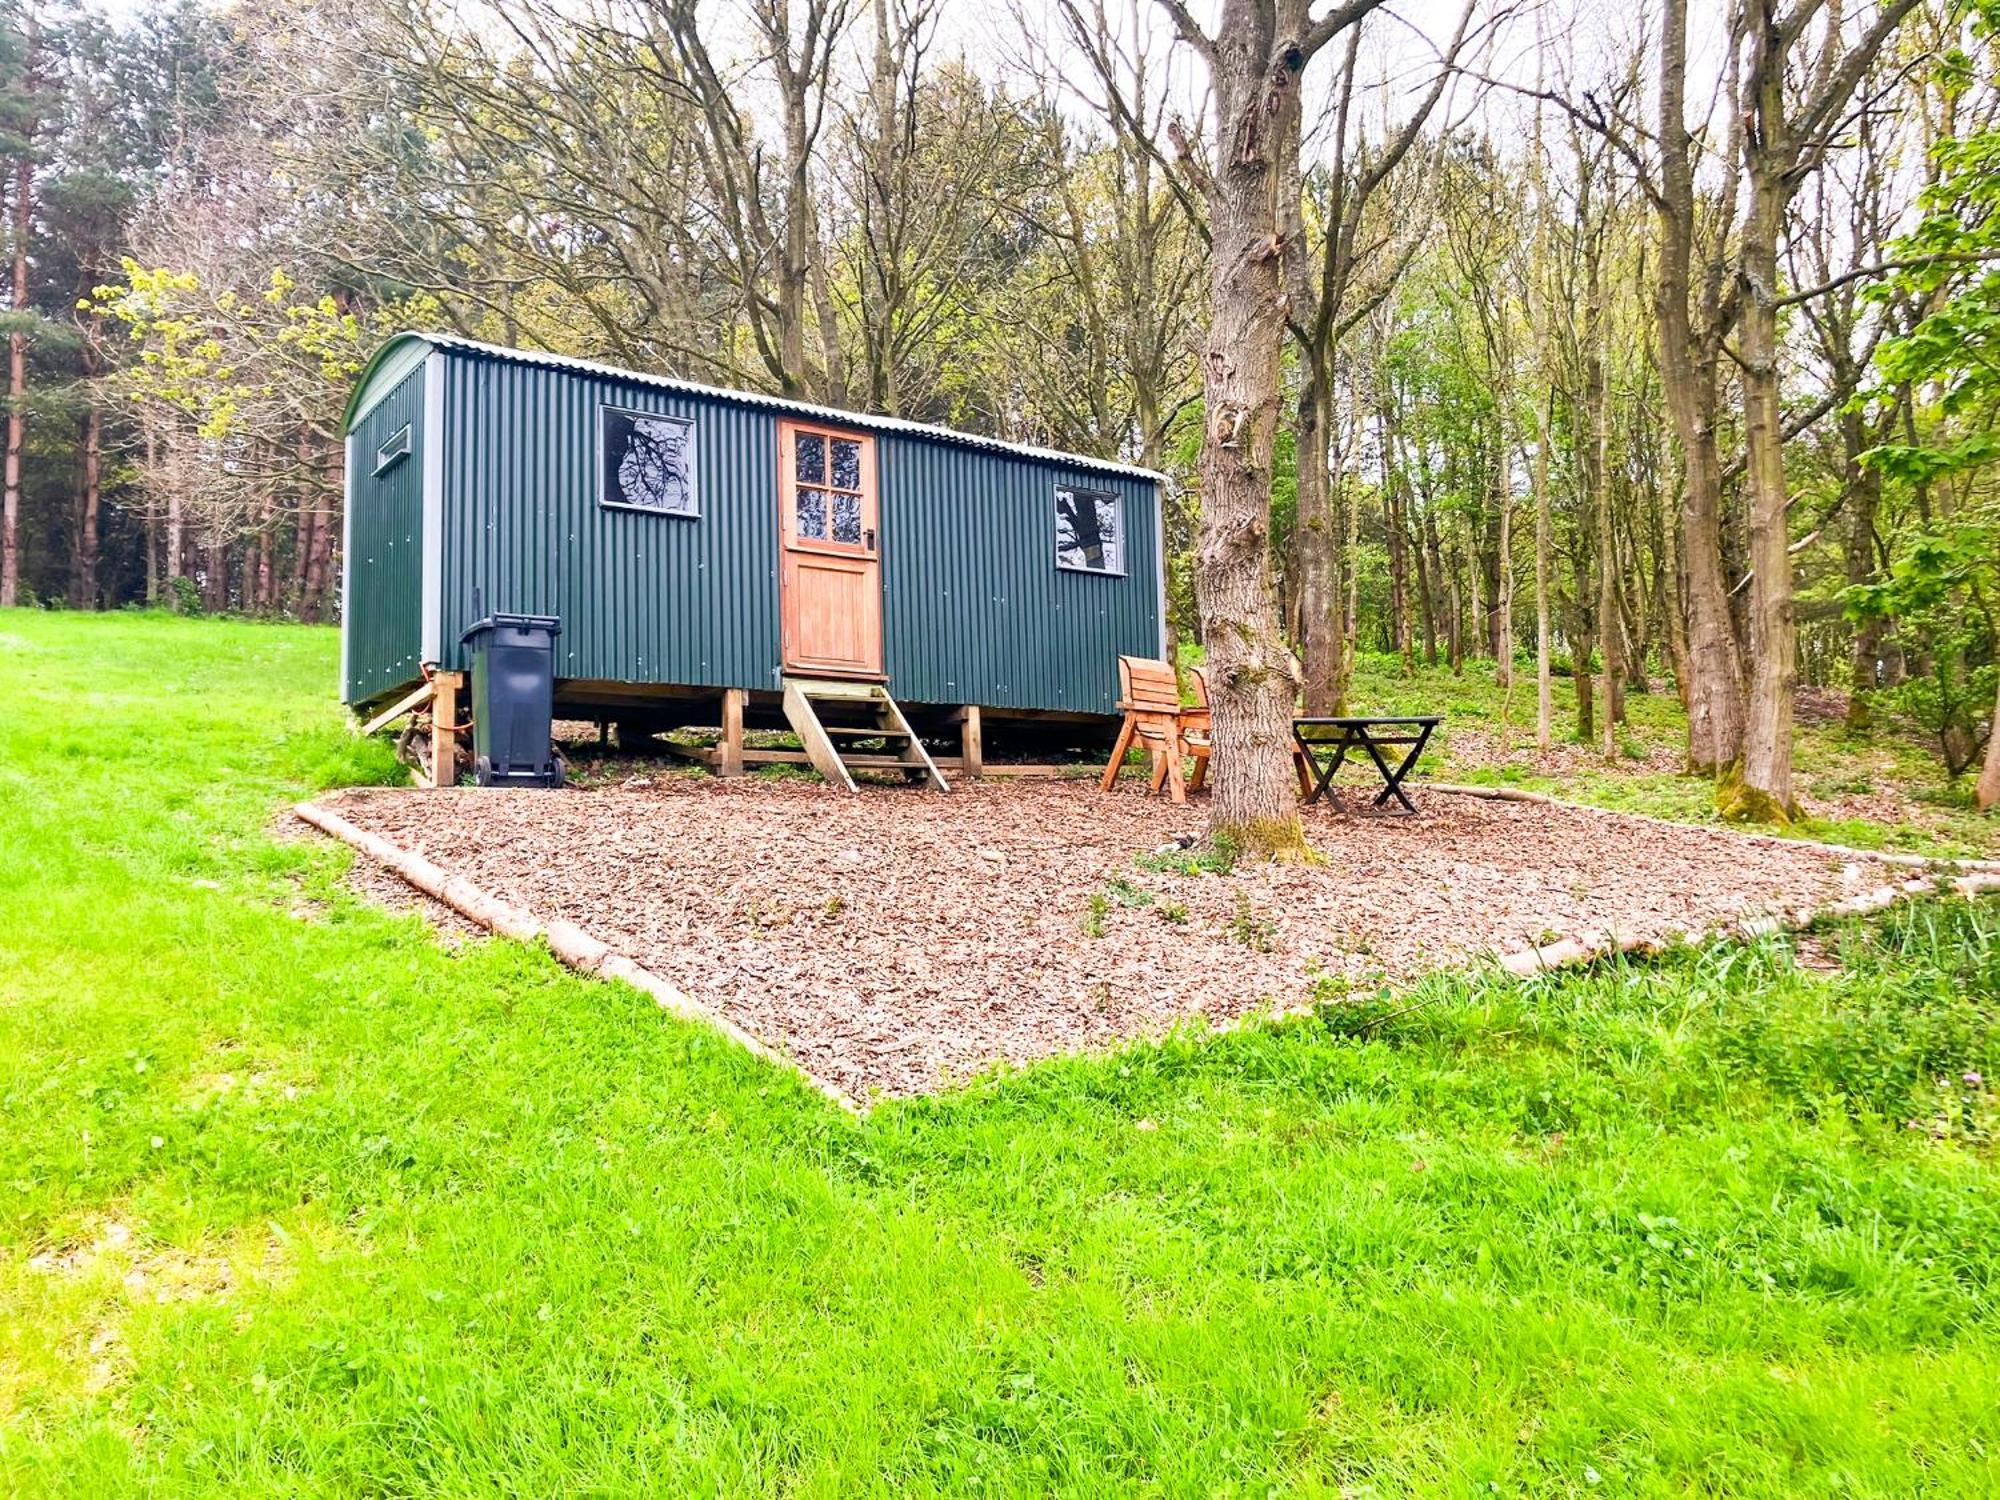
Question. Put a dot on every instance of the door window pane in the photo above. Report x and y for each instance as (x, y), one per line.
(1088, 530)
(846, 464)
(811, 520)
(846, 518)
(812, 458)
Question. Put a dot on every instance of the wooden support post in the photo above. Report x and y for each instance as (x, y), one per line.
(972, 748)
(445, 710)
(729, 750)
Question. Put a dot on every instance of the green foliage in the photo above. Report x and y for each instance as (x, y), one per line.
(1952, 703)
(1935, 594)
(1251, 928)
(1217, 857)
(1098, 908)
(1918, 1017)
(1120, 889)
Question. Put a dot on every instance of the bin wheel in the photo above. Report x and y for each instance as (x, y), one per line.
(484, 773)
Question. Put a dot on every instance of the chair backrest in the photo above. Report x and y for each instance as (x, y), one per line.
(1199, 677)
(1148, 686)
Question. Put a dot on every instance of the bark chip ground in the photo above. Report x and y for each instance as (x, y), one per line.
(895, 941)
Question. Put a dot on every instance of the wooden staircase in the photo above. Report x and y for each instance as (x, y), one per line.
(833, 719)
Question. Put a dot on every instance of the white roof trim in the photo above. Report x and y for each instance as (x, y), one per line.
(833, 415)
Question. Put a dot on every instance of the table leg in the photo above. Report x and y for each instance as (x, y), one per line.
(1324, 771)
(1393, 780)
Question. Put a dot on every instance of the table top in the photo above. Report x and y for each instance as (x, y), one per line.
(1361, 721)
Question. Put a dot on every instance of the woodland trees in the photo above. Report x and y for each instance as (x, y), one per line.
(1662, 345)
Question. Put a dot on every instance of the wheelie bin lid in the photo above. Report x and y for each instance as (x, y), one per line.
(547, 624)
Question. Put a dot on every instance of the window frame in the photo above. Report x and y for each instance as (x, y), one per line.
(384, 465)
(869, 496)
(608, 409)
(1055, 529)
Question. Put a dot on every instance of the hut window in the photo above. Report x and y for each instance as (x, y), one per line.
(1089, 530)
(648, 462)
(397, 447)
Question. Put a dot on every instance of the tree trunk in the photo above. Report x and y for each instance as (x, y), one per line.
(1675, 607)
(326, 531)
(215, 586)
(176, 544)
(1598, 397)
(305, 539)
(261, 579)
(1399, 572)
(1352, 611)
(1988, 790)
(1714, 689)
(319, 573)
(1426, 604)
(1763, 791)
(91, 503)
(1254, 683)
(1580, 673)
(1583, 682)
(1863, 494)
(1503, 479)
(1476, 637)
(1323, 630)
(17, 384)
(1544, 688)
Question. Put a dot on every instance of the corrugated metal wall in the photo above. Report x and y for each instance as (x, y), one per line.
(974, 608)
(643, 598)
(383, 611)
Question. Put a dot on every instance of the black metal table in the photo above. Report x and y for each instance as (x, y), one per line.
(1314, 735)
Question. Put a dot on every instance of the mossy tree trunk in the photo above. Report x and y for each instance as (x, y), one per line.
(1255, 60)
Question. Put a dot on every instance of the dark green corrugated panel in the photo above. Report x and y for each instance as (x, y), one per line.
(643, 598)
(975, 609)
(383, 610)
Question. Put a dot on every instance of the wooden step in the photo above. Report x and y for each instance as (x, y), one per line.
(824, 687)
(817, 738)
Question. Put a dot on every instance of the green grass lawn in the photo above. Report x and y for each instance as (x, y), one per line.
(296, 1199)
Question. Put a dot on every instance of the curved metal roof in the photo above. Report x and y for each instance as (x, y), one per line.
(452, 343)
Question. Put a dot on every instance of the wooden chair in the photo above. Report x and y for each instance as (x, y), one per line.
(1194, 733)
(1150, 699)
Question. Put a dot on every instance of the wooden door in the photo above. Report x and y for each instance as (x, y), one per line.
(830, 574)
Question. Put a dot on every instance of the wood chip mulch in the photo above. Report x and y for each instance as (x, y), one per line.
(896, 940)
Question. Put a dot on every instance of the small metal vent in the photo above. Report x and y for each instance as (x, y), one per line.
(394, 451)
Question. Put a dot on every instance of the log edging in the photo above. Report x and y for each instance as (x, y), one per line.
(1574, 951)
(1982, 875)
(579, 949)
(1884, 856)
